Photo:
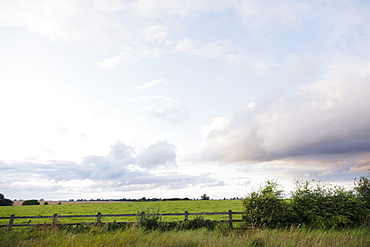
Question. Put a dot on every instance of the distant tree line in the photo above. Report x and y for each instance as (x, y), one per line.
(318, 205)
(145, 199)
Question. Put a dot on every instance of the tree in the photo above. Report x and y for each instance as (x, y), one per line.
(4, 201)
(30, 202)
(204, 197)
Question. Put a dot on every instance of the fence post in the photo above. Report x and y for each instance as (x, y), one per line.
(55, 220)
(186, 215)
(11, 221)
(231, 219)
(98, 218)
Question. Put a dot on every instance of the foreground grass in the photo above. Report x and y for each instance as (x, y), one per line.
(136, 236)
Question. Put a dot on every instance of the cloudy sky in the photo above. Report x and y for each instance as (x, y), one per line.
(177, 98)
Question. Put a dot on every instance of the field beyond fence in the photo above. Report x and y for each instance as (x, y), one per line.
(99, 216)
(163, 208)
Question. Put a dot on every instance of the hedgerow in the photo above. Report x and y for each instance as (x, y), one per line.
(318, 205)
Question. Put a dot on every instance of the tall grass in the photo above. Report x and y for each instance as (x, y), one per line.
(221, 236)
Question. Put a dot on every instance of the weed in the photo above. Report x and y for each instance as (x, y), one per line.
(257, 242)
(150, 219)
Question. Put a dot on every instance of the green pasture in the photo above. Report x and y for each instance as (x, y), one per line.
(198, 206)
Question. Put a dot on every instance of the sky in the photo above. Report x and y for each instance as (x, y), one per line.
(179, 98)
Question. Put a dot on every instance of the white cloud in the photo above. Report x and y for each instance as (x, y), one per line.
(130, 55)
(155, 33)
(259, 63)
(174, 114)
(187, 46)
(148, 85)
(121, 151)
(62, 20)
(161, 8)
(154, 98)
(110, 5)
(266, 14)
(163, 108)
(346, 25)
(217, 49)
(117, 171)
(361, 166)
(161, 153)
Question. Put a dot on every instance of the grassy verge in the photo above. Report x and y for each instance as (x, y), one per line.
(221, 236)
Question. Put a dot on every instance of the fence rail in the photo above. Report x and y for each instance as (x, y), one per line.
(99, 216)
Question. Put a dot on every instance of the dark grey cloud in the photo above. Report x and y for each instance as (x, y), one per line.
(328, 117)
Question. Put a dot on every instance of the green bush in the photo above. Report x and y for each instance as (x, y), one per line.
(362, 188)
(113, 226)
(197, 223)
(150, 219)
(316, 205)
(267, 208)
(325, 206)
(30, 202)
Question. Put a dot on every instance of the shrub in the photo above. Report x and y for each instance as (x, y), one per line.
(30, 202)
(266, 207)
(150, 219)
(197, 223)
(362, 187)
(317, 205)
(326, 206)
(113, 226)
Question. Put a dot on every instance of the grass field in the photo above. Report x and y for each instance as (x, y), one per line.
(135, 236)
(197, 206)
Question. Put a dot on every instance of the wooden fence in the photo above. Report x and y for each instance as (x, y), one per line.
(99, 216)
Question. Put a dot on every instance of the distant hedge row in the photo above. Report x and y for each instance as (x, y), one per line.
(318, 205)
